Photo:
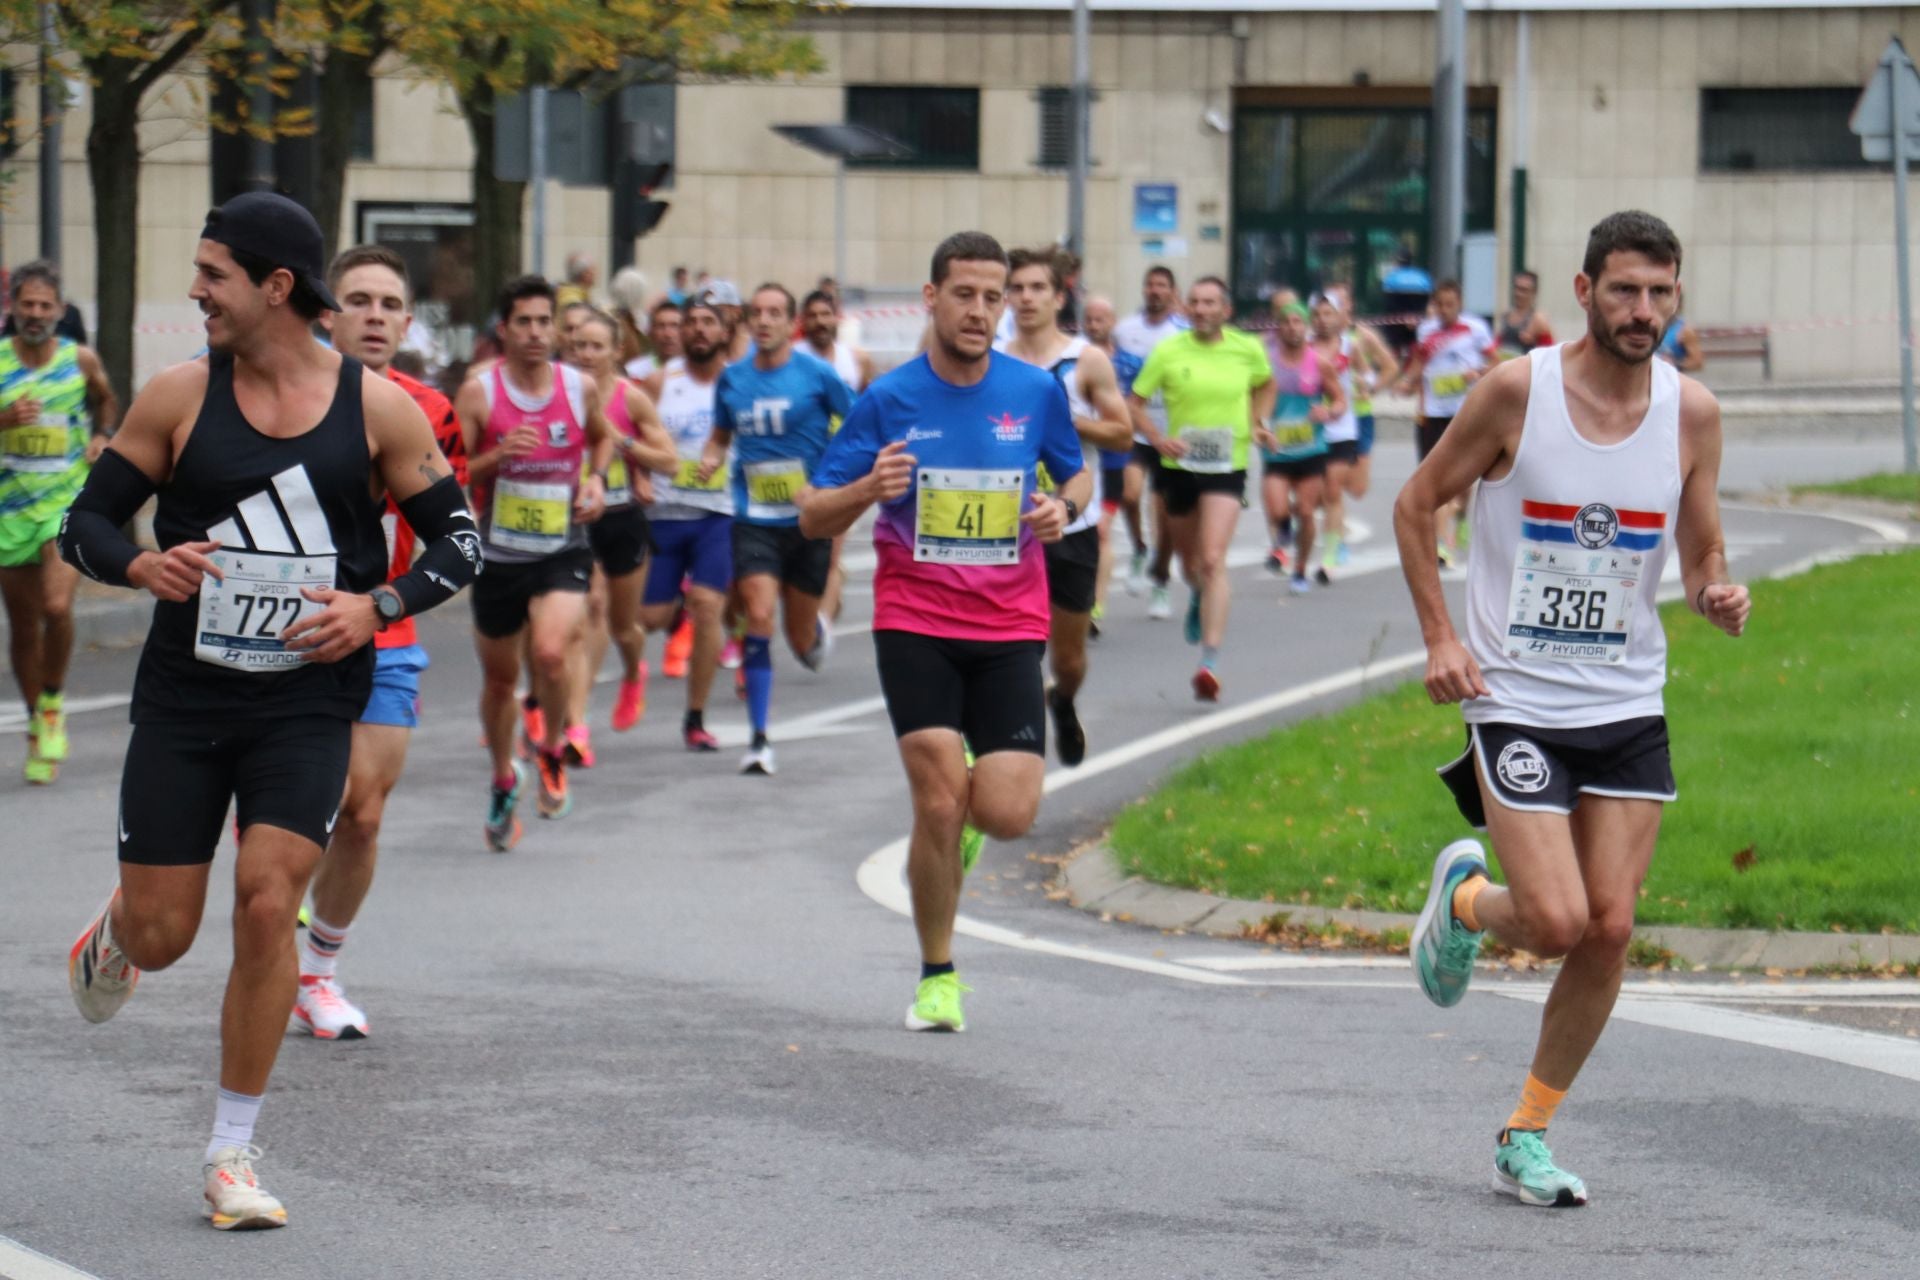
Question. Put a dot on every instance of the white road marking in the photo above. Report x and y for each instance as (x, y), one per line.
(1288, 960)
(1886, 530)
(1891, 1055)
(16, 717)
(18, 1262)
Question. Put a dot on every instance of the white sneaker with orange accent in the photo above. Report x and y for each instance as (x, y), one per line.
(98, 973)
(323, 1011)
(235, 1199)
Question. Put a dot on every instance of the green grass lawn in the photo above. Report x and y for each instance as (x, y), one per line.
(1888, 486)
(1799, 741)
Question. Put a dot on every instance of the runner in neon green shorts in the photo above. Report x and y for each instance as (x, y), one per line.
(56, 411)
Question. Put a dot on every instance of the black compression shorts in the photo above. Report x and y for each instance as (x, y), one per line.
(1073, 571)
(990, 691)
(783, 552)
(180, 776)
(620, 540)
(505, 589)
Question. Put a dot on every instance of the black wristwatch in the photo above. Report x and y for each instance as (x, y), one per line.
(388, 606)
(1073, 509)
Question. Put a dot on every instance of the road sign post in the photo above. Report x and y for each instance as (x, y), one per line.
(1887, 121)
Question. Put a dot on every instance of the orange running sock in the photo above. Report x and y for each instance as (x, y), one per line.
(1464, 894)
(1537, 1104)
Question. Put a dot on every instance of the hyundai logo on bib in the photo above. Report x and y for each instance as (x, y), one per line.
(1596, 526)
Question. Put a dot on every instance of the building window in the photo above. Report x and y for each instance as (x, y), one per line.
(940, 126)
(362, 120)
(1055, 145)
(1762, 130)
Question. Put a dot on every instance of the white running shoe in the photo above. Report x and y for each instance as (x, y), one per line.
(235, 1199)
(323, 1011)
(98, 973)
(816, 657)
(1161, 607)
(758, 760)
(1137, 575)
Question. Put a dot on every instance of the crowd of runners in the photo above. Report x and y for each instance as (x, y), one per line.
(312, 500)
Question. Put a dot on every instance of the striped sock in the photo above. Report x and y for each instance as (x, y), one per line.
(321, 951)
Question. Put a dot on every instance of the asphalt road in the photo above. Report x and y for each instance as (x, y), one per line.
(662, 1037)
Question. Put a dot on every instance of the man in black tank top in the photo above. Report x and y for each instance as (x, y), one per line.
(271, 458)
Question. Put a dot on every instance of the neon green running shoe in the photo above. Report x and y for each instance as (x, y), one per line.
(39, 770)
(1524, 1169)
(972, 842)
(50, 728)
(936, 1005)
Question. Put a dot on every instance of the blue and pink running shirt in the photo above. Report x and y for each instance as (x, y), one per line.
(954, 560)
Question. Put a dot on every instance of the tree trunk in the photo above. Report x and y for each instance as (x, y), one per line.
(497, 207)
(340, 81)
(113, 165)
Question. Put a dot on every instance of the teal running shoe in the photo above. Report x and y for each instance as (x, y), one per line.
(936, 1005)
(503, 829)
(973, 842)
(1443, 948)
(1524, 1169)
(1193, 618)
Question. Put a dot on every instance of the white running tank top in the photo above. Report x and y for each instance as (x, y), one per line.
(1347, 425)
(686, 411)
(1066, 371)
(846, 363)
(1567, 553)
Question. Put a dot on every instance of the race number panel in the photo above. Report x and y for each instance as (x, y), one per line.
(772, 487)
(1209, 449)
(1576, 574)
(532, 518)
(40, 447)
(968, 517)
(244, 613)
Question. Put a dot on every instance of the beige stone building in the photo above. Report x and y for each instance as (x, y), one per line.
(1264, 140)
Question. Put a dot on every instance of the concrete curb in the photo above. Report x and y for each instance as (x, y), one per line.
(1096, 883)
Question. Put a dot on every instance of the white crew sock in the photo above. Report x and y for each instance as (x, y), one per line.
(233, 1117)
(321, 951)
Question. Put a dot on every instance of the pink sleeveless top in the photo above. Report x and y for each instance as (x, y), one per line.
(526, 510)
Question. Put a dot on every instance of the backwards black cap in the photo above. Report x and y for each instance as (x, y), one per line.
(272, 227)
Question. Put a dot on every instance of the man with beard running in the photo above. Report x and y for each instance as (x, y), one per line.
(1036, 290)
(692, 515)
(375, 312)
(1595, 462)
(529, 423)
(947, 446)
(57, 411)
(269, 457)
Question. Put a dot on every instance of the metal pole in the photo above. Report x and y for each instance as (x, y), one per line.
(1080, 128)
(53, 108)
(840, 223)
(537, 173)
(1449, 139)
(1898, 75)
(1522, 139)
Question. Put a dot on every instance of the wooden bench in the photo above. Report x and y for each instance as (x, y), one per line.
(1735, 341)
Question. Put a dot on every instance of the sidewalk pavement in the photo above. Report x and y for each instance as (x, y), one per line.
(1097, 884)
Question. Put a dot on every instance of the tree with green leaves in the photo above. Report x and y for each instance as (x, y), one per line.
(491, 50)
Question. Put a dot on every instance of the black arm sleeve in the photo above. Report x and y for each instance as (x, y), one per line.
(90, 536)
(450, 558)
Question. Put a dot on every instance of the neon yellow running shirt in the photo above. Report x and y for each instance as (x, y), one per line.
(1208, 389)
